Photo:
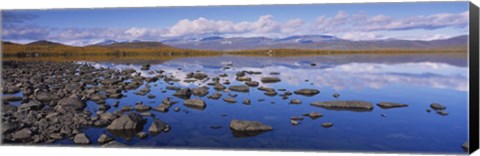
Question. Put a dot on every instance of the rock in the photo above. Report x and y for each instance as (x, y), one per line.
(294, 122)
(244, 125)
(23, 134)
(104, 139)
(142, 108)
(100, 123)
(327, 124)
(345, 105)
(215, 127)
(81, 139)
(219, 86)
(307, 92)
(437, 106)
(103, 107)
(150, 96)
(442, 112)
(252, 83)
(230, 100)
(274, 73)
(45, 97)
(110, 81)
(215, 96)
(126, 108)
(296, 118)
(142, 135)
(239, 88)
(11, 98)
(200, 91)
(270, 79)
(262, 88)
(145, 67)
(70, 104)
(176, 109)
(314, 115)
(270, 93)
(336, 95)
(129, 121)
(195, 103)
(240, 74)
(157, 126)
(387, 105)
(295, 101)
(200, 76)
(114, 144)
(31, 105)
(162, 108)
(246, 101)
(183, 93)
(173, 88)
(466, 145)
(244, 78)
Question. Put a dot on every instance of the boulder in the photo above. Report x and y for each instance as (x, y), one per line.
(200, 91)
(157, 126)
(215, 96)
(200, 76)
(70, 104)
(183, 93)
(129, 121)
(195, 103)
(81, 139)
(345, 105)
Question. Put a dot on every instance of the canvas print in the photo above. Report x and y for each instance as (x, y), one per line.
(368, 77)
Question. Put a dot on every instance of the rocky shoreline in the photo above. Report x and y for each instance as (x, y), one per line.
(53, 98)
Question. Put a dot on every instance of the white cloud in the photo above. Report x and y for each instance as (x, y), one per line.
(357, 26)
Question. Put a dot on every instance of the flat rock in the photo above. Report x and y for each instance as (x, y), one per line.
(239, 88)
(230, 100)
(11, 98)
(295, 101)
(215, 96)
(386, 105)
(252, 83)
(308, 92)
(327, 124)
(244, 125)
(262, 88)
(270, 79)
(345, 105)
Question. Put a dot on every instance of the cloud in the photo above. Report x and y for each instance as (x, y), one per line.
(357, 26)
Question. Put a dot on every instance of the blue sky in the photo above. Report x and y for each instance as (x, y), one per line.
(367, 21)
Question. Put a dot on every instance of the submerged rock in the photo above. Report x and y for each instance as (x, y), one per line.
(345, 105)
(387, 105)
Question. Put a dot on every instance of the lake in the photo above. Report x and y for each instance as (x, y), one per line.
(413, 79)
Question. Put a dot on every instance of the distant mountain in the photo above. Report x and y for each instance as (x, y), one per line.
(312, 42)
(134, 44)
(106, 42)
(45, 43)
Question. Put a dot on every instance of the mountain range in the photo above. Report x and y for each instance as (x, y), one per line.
(324, 42)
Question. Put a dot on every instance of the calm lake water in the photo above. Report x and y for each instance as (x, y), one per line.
(417, 80)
